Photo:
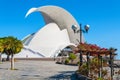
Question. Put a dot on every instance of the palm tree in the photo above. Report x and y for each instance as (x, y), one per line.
(1, 47)
(112, 52)
(111, 49)
(16, 48)
(7, 42)
(11, 46)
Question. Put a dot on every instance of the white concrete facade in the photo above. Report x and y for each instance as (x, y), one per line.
(53, 37)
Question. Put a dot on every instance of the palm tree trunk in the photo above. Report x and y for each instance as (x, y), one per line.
(12, 61)
(8, 57)
(0, 57)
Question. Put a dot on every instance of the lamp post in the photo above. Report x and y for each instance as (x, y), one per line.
(80, 31)
(85, 30)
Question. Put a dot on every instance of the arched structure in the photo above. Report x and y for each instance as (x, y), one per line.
(54, 36)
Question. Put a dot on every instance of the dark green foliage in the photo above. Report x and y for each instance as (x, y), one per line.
(10, 46)
(72, 56)
(67, 61)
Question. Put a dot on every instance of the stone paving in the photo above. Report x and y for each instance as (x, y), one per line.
(35, 70)
(40, 70)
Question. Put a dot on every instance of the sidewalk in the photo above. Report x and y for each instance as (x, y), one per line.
(35, 70)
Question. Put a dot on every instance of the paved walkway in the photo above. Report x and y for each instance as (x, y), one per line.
(35, 70)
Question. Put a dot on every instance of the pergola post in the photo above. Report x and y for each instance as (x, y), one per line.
(88, 61)
(81, 62)
(99, 75)
(101, 66)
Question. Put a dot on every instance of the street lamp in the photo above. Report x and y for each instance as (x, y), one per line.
(80, 30)
(85, 30)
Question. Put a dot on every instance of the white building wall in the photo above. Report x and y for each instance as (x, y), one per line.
(48, 38)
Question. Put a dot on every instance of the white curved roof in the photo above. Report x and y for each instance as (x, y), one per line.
(59, 16)
(54, 36)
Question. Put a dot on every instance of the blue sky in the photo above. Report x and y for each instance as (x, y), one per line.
(103, 16)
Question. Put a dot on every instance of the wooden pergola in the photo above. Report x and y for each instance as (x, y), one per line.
(94, 50)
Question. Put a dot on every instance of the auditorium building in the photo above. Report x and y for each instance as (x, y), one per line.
(56, 35)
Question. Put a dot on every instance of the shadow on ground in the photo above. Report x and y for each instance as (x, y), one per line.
(64, 75)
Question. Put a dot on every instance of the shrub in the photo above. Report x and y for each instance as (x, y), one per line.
(100, 79)
(67, 61)
(78, 63)
(83, 69)
(72, 56)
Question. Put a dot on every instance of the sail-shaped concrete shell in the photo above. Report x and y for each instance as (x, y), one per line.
(59, 16)
(54, 36)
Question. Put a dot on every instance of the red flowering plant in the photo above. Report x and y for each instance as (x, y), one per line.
(93, 49)
(92, 68)
(104, 51)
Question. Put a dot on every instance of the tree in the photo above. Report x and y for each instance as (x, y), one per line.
(12, 46)
(112, 52)
(1, 47)
(6, 46)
